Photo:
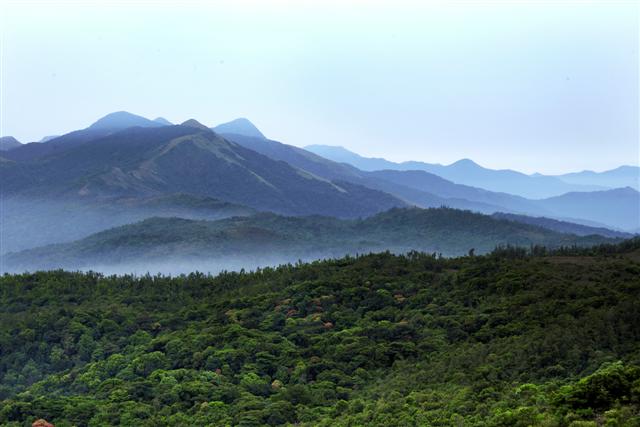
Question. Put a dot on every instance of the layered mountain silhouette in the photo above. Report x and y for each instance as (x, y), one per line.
(468, 172)
(9, 143)
(106, 175)
(424, 189)
(258, 237)
(623, 176)
(190, 158)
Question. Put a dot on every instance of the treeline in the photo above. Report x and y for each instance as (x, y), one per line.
(379, 339)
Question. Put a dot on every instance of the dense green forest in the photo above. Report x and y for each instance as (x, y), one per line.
(505, 339)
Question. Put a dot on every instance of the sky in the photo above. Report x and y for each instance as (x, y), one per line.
(544, 86)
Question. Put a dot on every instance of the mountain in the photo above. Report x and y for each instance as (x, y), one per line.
(163, 121)
(9, 143)
(563, 226)
(619, 207)
(342, 155)
(31, 222)
(122, 120)
(48, 138)
(144, 162)
(261, 238)
(425, 189)
(421, 193)
(239, 126)
(623, 176)
(375, 340)
(465, 172)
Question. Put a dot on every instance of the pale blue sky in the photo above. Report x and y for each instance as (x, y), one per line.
(534, 86)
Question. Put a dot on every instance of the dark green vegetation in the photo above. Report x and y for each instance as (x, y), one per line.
(506, 339)
(260, 238)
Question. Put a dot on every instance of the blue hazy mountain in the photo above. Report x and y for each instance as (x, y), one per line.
(123, 120)
(619, 207)
(425, 189)
(163, 121)
(466, 172)
(239, 126)
(48, 138)
(623, 176)
(563, 226)
(9, 143)
(190, 158)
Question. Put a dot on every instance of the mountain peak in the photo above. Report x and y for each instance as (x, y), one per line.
(8, 143)
(193, 123)
(240, 126)
(465, 163)
(122, 120)
(163, 121)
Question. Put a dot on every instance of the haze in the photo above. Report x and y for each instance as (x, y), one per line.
(541, 87)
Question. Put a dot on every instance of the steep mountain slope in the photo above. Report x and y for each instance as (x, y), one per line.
(465, 172)
(9, 143)
(258, 239)
(143, 162)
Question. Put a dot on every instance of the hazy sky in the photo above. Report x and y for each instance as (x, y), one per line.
(535, 86)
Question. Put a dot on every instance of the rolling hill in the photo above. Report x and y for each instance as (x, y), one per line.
(263, 238)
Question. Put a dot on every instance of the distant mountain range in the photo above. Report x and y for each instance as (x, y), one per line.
(424, 189)
(108, 174)
(262, 237)
(467, 172)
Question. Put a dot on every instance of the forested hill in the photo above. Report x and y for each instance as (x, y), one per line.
(504, 339)
(264, 238)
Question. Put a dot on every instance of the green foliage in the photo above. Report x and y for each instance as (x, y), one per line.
(505, 339)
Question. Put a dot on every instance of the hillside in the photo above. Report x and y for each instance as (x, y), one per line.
(378, 340)
(166, 244)
(145, 162)
(28, 223)
(9, 143)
